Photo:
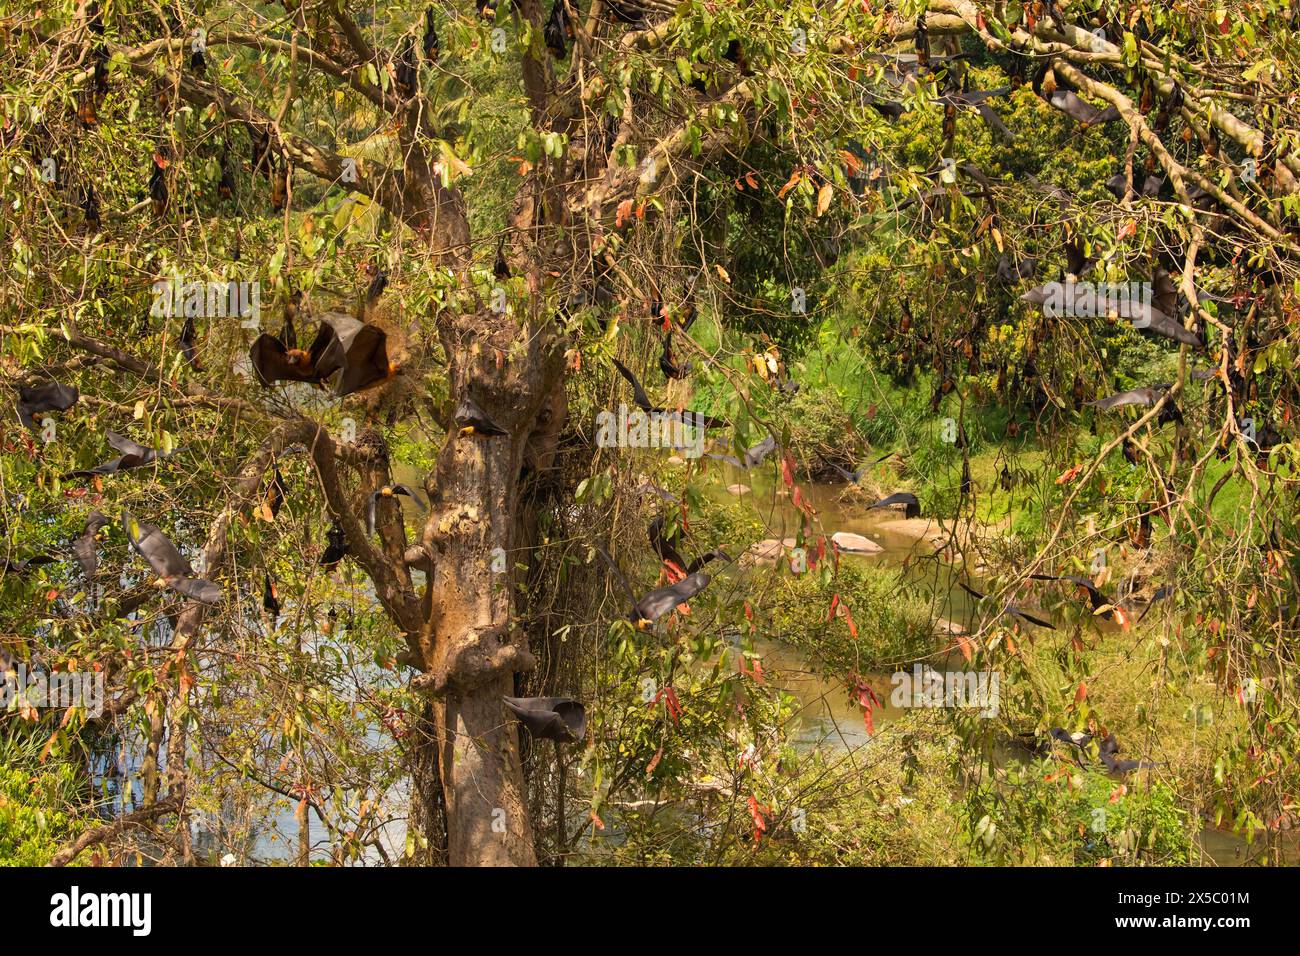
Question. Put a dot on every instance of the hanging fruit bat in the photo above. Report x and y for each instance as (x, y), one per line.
(269, 507)
(226, 184)
(90, 208)
(627, 11)
(501, 268)
(558, 30)
(86, 114)
(1010, 270)
(429, 42)
(280, 187)
(270, 597)
(406, 69)
(336, 547)
(260, 145)
(83, 546)
(167, 562)
(158, 193)
(668, 365)
(189, 351)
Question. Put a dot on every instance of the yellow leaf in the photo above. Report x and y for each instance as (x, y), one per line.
(824, 198)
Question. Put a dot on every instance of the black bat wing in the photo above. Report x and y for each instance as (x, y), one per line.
(48, 396)
(756, 455)
(130, 449)
(662, 600)
(198, 589)
(327, 352)
(897, 498)
(1095, 596)
(993, 121)
(155, 547)
(366, 351)
(1170, 328)
(717, 554)
(618, 574)
(410, 493)
(270, 361)
(639, 396)
(1015, 611)
(729, 459)
(109, 467)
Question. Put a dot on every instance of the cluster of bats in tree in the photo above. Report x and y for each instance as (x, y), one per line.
(350, 353)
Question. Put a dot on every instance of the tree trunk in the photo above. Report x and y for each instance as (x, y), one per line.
(470, 643)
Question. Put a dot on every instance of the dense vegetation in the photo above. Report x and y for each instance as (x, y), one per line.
(838, 213)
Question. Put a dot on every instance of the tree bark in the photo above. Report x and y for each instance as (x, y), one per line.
(470, 644)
